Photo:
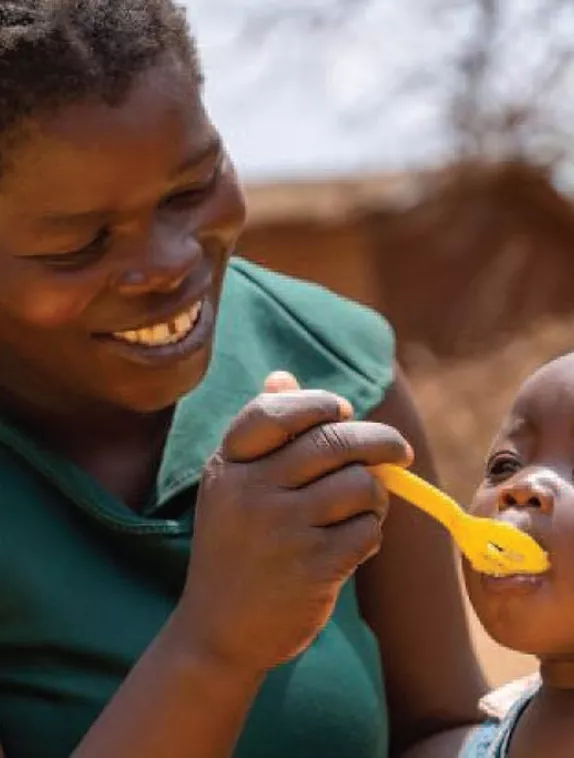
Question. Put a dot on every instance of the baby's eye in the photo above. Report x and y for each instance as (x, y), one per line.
(502, 466)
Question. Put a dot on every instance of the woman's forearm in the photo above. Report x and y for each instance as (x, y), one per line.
(174, 703)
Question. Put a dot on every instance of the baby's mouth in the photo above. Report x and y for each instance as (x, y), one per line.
(523, 574)
(166, 333)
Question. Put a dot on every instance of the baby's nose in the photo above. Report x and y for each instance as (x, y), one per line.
(527, 493)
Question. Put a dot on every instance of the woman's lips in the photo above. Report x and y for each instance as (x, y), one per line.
(168, 332)
(164, 352)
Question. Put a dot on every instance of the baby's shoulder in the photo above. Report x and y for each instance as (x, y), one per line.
(502, 708)
(498, 703)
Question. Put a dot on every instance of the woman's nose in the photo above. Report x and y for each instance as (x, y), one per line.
(161, 269)
(136, 282)
(528, 493)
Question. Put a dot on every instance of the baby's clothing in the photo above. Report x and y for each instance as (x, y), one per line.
(504, 709)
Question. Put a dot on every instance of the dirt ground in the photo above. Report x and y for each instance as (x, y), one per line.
(462, 404)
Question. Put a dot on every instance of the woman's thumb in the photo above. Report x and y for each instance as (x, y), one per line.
(281, 381)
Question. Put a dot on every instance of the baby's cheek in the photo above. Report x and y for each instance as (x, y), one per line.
(481, 504)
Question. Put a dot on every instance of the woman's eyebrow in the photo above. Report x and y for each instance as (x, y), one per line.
(57, 220)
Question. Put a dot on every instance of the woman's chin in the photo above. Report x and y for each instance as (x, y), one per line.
(153, 391)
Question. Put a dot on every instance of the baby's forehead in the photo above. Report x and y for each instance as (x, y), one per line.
(547, 394)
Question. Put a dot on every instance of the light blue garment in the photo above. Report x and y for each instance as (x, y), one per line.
(492, 739)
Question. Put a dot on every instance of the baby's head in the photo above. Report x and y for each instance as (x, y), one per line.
(529, 482)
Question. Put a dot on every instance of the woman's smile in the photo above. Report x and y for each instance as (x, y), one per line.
(161, 344)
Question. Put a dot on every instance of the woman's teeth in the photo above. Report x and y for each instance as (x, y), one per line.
(168, 333)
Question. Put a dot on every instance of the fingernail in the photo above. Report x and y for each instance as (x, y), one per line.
(281, 381)
(346, 410)
(282, 376)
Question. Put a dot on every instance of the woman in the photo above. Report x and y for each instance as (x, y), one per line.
(118, 212)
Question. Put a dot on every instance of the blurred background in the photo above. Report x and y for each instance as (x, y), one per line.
(418, 157)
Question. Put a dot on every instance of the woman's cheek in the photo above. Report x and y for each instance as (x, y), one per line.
(47, 305)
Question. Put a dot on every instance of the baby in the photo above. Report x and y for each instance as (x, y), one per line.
(529, 482)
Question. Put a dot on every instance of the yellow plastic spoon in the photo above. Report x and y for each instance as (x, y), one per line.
(492, 547)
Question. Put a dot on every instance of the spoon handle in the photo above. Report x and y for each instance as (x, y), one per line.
(420, 493)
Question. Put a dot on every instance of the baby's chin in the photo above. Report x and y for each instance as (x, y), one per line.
(526, 642)
(519, 613)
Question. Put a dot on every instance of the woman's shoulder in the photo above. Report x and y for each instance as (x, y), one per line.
(306, 328)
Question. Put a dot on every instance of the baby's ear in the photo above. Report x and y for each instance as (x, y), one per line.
(498, 703)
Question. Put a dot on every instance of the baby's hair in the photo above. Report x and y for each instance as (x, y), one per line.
(57, 52)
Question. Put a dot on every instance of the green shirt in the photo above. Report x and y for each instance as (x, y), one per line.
(86, 583)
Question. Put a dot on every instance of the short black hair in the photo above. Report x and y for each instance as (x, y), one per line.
(57, 52)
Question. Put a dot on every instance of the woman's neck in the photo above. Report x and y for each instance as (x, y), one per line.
(60, 424)
(121, 449)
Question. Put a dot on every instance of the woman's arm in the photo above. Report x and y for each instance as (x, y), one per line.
(265, 498)
(174, 703)
(180, 702)
(410, 596)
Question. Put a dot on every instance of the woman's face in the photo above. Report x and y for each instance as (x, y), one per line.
(116, 225)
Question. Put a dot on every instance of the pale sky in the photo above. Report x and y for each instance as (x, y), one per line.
(293, 101)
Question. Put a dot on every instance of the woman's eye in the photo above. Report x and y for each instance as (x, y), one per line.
(77, 259)
(502, 466)
(186, 197)
(193, 195)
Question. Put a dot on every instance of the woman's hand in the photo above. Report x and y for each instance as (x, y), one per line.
(286, 512)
